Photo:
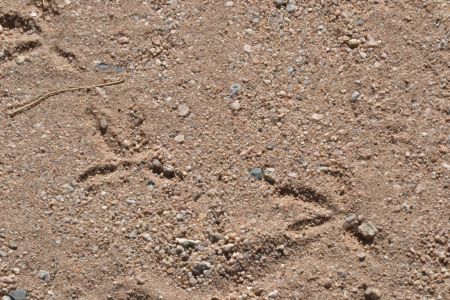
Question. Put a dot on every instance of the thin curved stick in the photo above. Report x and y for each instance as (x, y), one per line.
(25, 106)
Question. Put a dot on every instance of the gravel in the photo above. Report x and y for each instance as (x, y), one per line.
(278, 136)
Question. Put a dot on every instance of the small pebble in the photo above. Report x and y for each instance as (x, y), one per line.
(257, 173)
(279, 3)
(359, 22)
(292, 175)
(13, 245)
(269, 175)
(6, 298)
(247, 48)
(187, 243)
(192, 281)
(273, 295)
(183, 110)
(351, 221)
(201, 267)
(317, 117)
(168, 171)
(140, 280)
(229, 3)
(361, 256)
(372, 294)
(290, 69)
(235, 106)
(123, 40)
(151, 184)
(18, 294)
(235, 89)
(20, 60)
(291, 7)
(102, 66)
(328, 283)
(179, 138)
(353, 43)
(44, 275)
(355, 96)
(101, 92)
(227, 248)
(367, 230)
(156, 166)
(103, 125)
(372, 43)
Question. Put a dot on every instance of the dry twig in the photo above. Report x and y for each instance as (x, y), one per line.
(27, 105)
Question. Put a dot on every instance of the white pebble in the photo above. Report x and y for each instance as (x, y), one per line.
(317, 117)
(123, 40)
(235, 106)
(247, 48)
(20, 60)
(179, 138)
(183, 110)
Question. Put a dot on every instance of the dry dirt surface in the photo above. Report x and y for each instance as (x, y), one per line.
(254, 150)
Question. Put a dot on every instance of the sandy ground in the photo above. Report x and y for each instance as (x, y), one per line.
(255, 150)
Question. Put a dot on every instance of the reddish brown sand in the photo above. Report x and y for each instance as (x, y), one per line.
(149, 189)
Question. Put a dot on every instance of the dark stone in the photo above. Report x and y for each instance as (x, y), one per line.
(103, 67)
(257, 173)
(200, 268)
(18, 294)
(235, 89)
(168, 171)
